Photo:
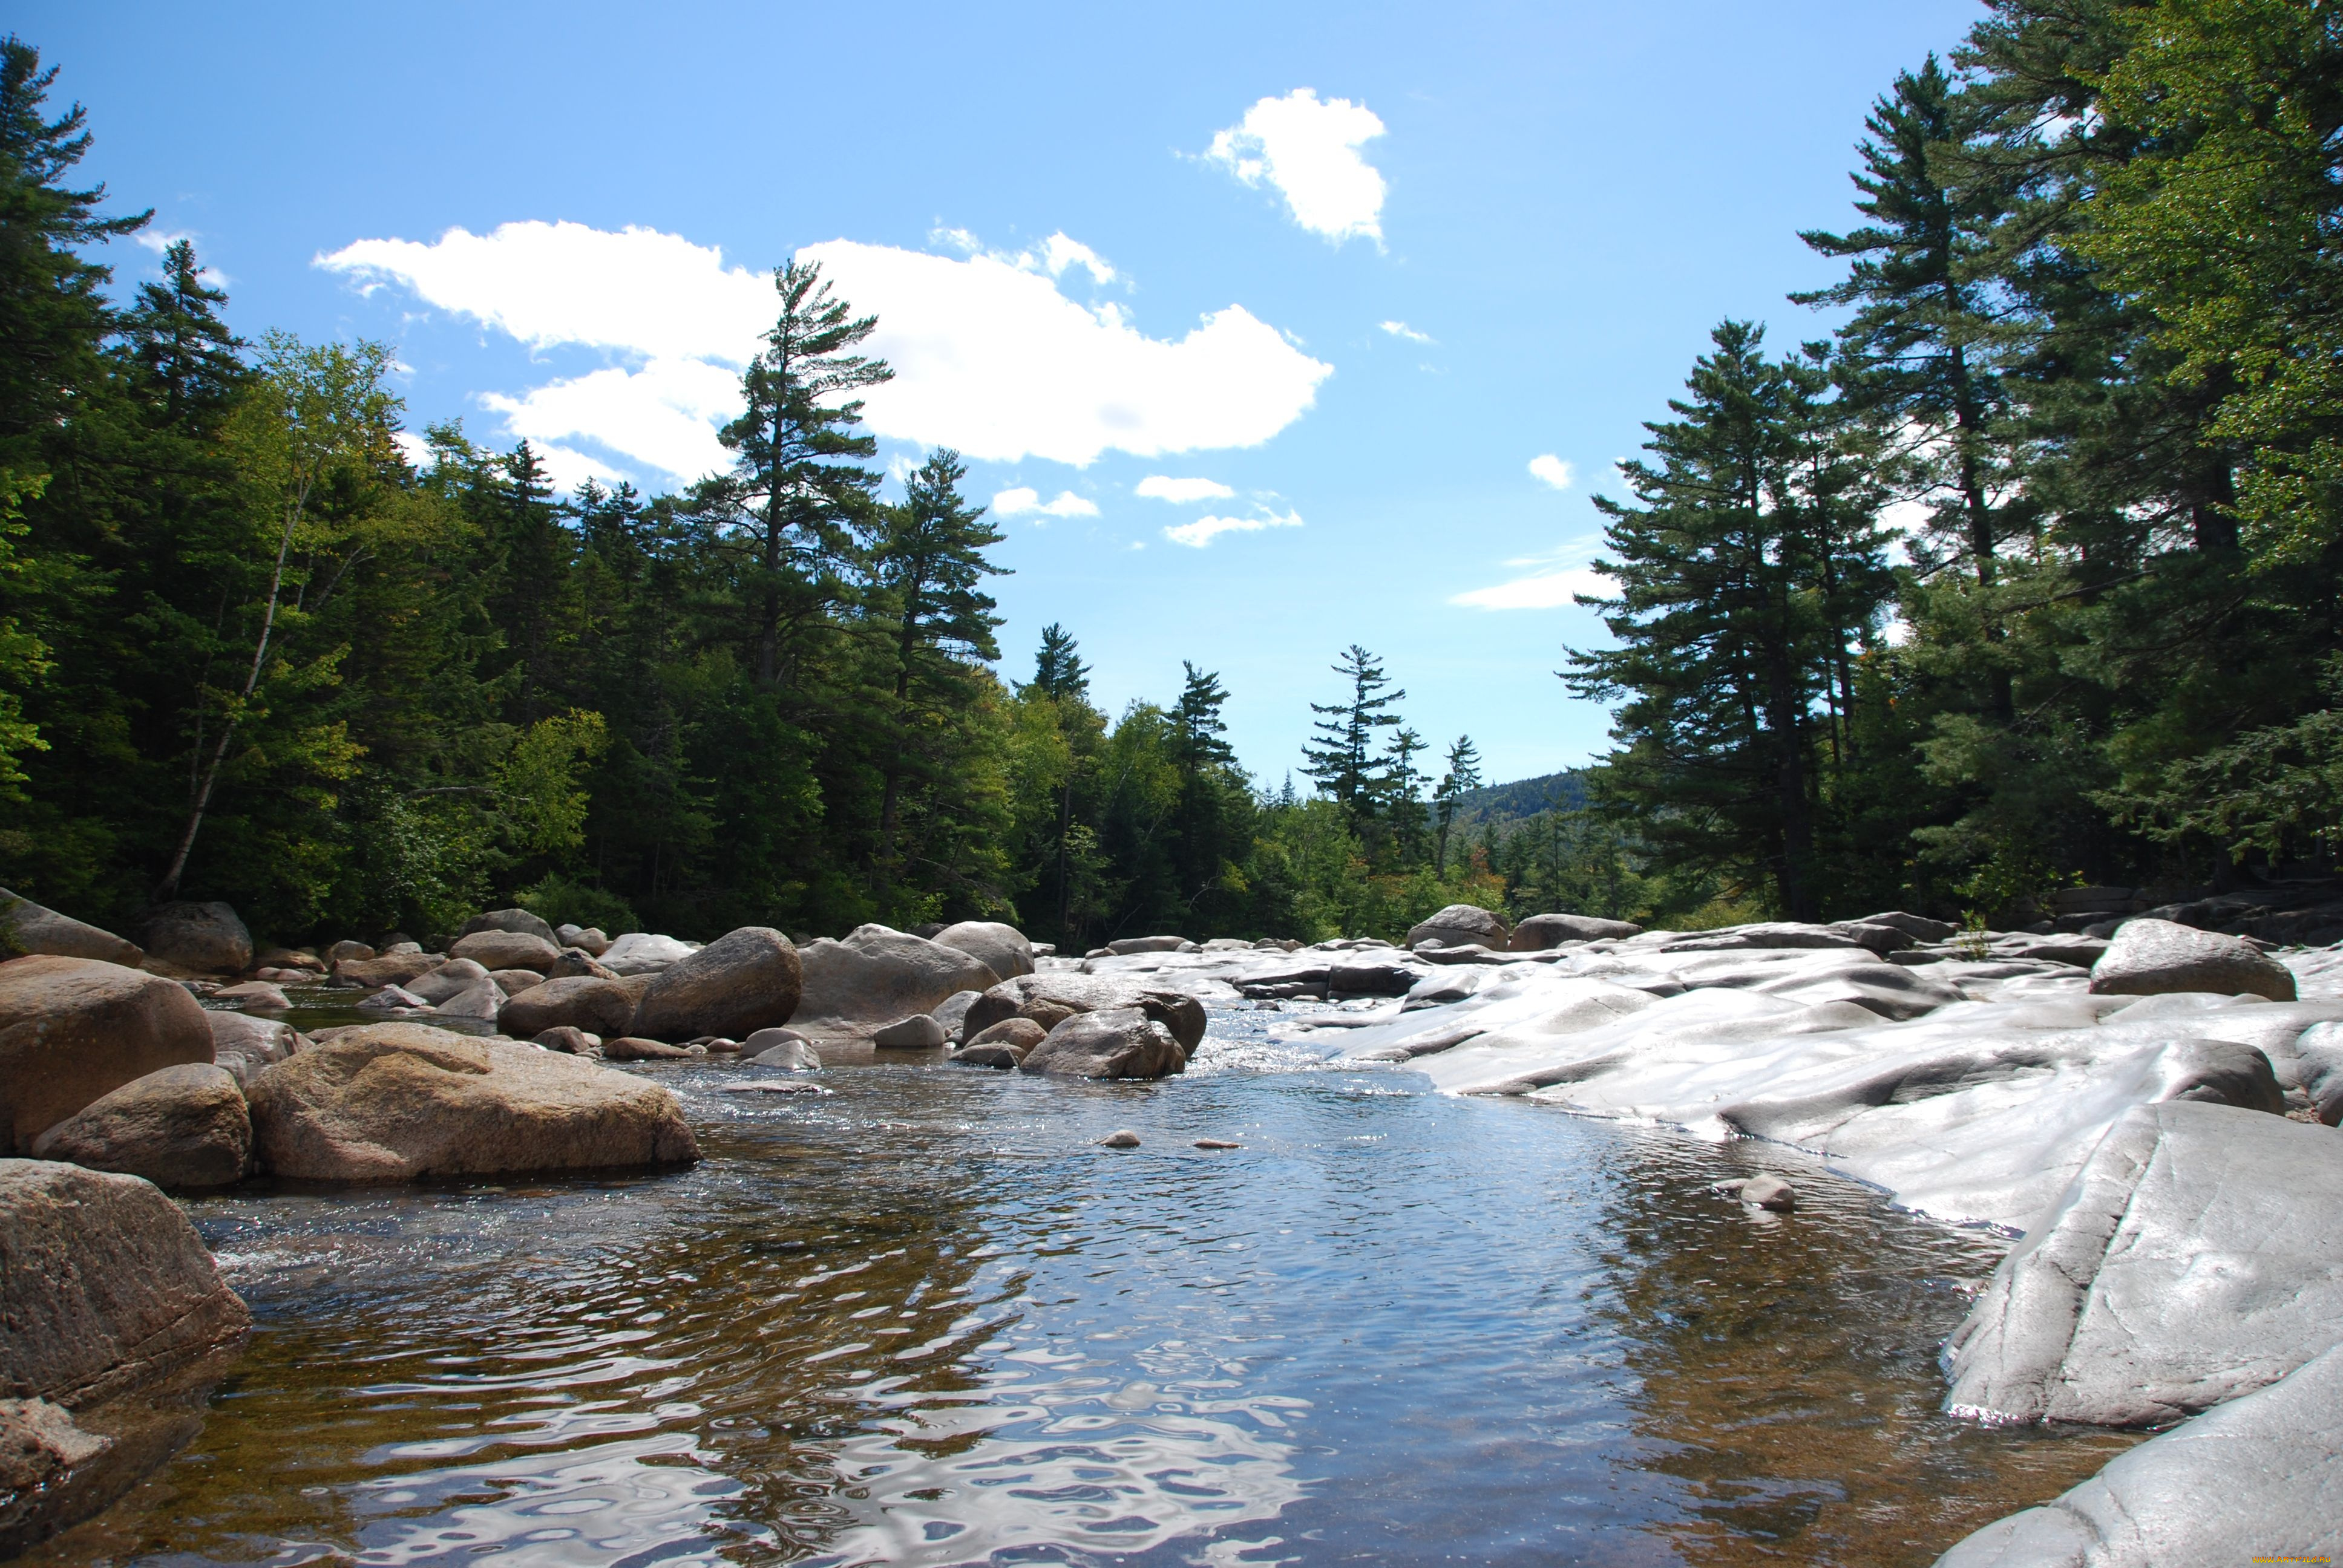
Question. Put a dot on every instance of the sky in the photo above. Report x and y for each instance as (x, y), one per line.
(1264, 329)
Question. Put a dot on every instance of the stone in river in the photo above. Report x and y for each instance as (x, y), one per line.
(495, 949)
(512, 983)
(567, 1040)
(1126, 1139)
(354, 951)
(264, 996)
(918, 1032)
(183, 1127)
(390, 968)
(1460, 925)
(603, 1007)
(634, 1048)
(482, 1000)
(784, 1047)
(747, 979)
(2147, 957)
(1538, 933)
(73, 1030)
(402, 1102)
(877, 975)
(518, 921)
(243, 1044)
(30, 928)
(1017, 1036)
(207, 939)
(642, 952)
(1002, 949)
(589, 940)
(576, 962)
(2197, 1256)
(449, 980)
(1767, 1191)
(1126, 946)
(391, 999)
(952, 1013)
(1216, 1143)
(1120, 1042)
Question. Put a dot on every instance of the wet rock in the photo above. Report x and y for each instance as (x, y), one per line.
(783, 1048)
(1017, 1036)
(952, 1013)
(390, 968)
(600, 1006)
(1216, 1143)
(243, 1044)
(1126, 946)
(997, 1054)
(642, 953)
(1002, 949)
(449, 980)
(2254, 1479)
(747, 979)
(1766, 1191)
(2148, 957)
(568, 1041)
(73, 1030)
(518, 921)
(480, 1001)
(576, 963)
(587, 940)
(1371, 978)
(1126, 1139)
(634, 1048)
(27, 928)
(918, 1032)
(402, 1102)
(1459, 925)
(348, 950)
(2197, 1256)
(393, 998)
(43, 1459)
(1049, 998)
(183, 1128)
(1046, 1012)
(877, 975)
(1538, 933)
(1920, 928)
(261, 996)
(1120, 1042)
(206, 938)
(500, 950)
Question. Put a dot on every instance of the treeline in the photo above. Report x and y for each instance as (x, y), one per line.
(2091, 367)
(255, 646)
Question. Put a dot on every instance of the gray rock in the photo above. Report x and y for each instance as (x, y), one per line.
(568, 1041)
(918, 1032)
(1126, 946)
(747, 980)
(481, 1001)
(952, 1013)
(780, 1047)
(1539, 933)
(1880, 938)
(390, 968)
(1121, 1042)
(45, 1472)
(73, 1029)
(449, 980)
(392, 998)
(877, 975)
(206, 938)
(28, 927)
(261, 996)
(992, 1053)
(1459, 925)
(1371, 978)
(1016, 1036)
(512, 983)
(2198, 1255)
(2255, 1480)
(243, 1044)
(1767, 1191)
(355, 951)
(2147, 957)
(1002, 949)
(603, 1007)
(1766, 934)
(1919, 927)
(501, 949)
(517, 920)
(183, 1127)
(643, 953)
(576, 963)
(587, 940)
(1126, 1139)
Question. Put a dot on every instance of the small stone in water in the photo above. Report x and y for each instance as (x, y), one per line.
(1216, 1143)
(774, 1086)
(1769, 1192)
(1126, 1139)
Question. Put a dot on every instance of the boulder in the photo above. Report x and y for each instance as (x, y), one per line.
(352, 951)
(877, 975)
(392, 998)
(587, 940)
(2148, 957)
(73, 1030)
(402, 1102)
(1120, 1042)
(918, 1032)
(634, 1048)
(1017, 1036)
(206, 938)
(1002, 949)
(182, 1127)
(501, 949)
(1047, 1012)
(992, 1053)
(2254, 1479)
(1918, 927)
(298, 959)
(1767, 1191)
(567, 1040)
(512, 983)
(576, 963)
(1764, 934)
(778, 1048)
(1540, 933)
(642, 953)
(481, 1001)
(1126, 946)
(1371, 978)
(1049, 999)
(260, 996)
(600, 1006)
(46, 1476)
(1461, 925)
(390, 968)
(745, 980)
(243, 1044)
(520, 921)
(1880, 938)
(952, 1013)
(2197, 1256)
(26, 930)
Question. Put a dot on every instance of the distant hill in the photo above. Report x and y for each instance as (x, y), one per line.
(1498, 804)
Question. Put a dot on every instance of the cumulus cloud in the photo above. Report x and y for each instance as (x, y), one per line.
(1017, 502)
(1401, 329)
(989, 356)
(1164, 487)
(1552, 470)
(1550, 582)
(1308, 149)
(1204, 530)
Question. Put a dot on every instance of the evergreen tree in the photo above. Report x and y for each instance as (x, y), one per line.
(185, 351)
(1399, 803)
(1461, 778)
(1197, 721)
(1058, 669)
(1342, 759)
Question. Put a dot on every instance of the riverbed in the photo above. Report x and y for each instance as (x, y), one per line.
(919, 1318)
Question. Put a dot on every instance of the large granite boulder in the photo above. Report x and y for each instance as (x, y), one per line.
(72, 1029)
(517, 920)
(243, 1044)
(2151, 957)
(390, 968)
(745, 980)
(877, 975)
(1049, 998)
(184, 1128)
(602, 1007)
(2254, 1481)
(27, 928)
(1125, 946)
(643, 953)
(450, 980)
(1461, 924)
(499, 950)
(1120, 1042)
(587, 940)
(478, 1002)
(402, 1102)
(204, 939)
(1540, 933)
(1002, 949)
(2197, 1256)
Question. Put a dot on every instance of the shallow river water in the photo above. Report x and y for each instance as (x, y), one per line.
(920, 1319)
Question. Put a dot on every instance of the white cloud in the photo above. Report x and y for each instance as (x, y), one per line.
(159, 240)
(1204, 530)
(1023, 499)
(989, 356)
(1544, 591)
(1552, 470)
(1401, 329)
(1186, 492)
(1309, 150)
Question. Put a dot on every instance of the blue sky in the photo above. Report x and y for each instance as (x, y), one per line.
(1334, 277)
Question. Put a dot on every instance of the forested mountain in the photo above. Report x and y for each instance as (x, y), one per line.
(2085, 360)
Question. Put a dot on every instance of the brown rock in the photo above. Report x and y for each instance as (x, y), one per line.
(29, 930)
(1459, 925)
(1120, 1042)
(495, 949)
(512, 983)
(243, 1044)
(597, 1006)
(633, 1048)
(1018, 1035)
(262, 996)
(45, 1459)
(349, 950)
(567, 1040)
(1002, 949)
(878, 975)
(1048, 1013)
(400, 1101)
(745, 980)
(182, 1128)
(207, 939)
(390, 968)
(576, 963)
(73, 1030)
(1538, 933)
(917, 1033)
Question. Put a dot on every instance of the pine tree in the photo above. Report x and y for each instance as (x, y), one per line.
(1197, 723)
(1343, 760)
(1058, 669)
(1461, 777)
(178, 341)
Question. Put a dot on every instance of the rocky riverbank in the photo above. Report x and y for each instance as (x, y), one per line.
(2151, 1105)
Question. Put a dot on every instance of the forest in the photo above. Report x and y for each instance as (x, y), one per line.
(2024, 572)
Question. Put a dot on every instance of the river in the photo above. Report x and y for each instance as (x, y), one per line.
(921, 1319)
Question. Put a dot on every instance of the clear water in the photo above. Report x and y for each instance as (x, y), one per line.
(921, 1319)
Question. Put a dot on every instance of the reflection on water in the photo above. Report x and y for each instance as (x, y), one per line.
(923, 1320)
